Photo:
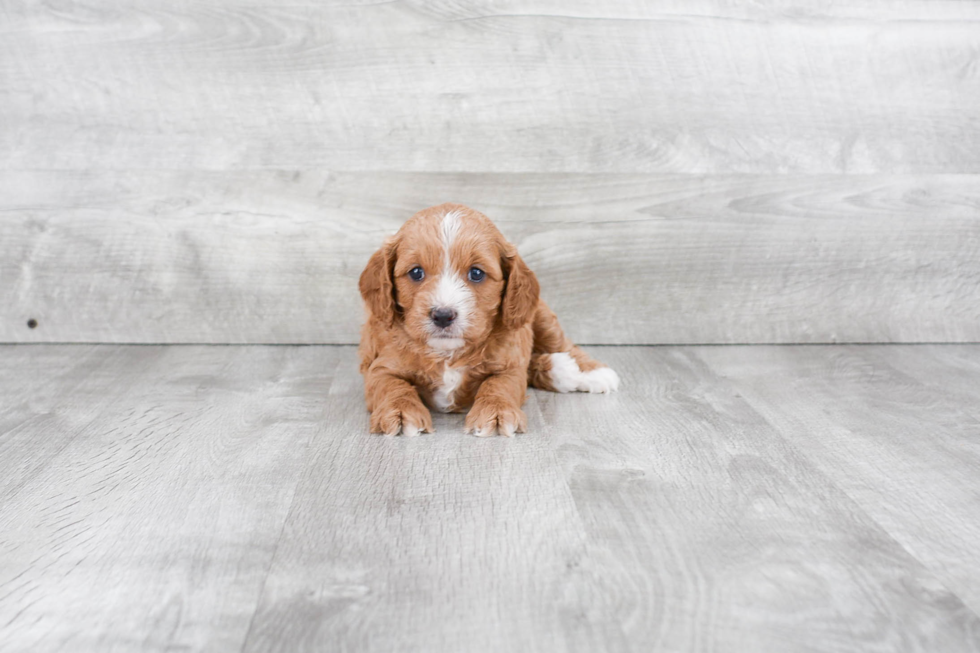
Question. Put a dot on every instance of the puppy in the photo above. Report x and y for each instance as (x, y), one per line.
(454, 321)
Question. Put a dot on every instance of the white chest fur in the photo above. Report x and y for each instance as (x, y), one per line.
(445, 394)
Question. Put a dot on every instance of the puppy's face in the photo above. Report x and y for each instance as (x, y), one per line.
(450, 274)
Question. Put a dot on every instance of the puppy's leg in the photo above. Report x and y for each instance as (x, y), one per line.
(559, 365)
(395, 405)
(497, 407)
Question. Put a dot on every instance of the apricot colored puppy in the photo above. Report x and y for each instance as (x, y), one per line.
(455, 322)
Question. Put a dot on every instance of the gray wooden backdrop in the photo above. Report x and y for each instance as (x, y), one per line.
(676, 172)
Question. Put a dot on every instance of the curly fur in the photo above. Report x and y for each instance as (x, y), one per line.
(504, 336)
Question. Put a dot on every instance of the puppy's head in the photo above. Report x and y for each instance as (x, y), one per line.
(448, 278)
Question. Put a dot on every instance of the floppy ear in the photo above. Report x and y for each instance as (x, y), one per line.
(377, 283)
(520, 293)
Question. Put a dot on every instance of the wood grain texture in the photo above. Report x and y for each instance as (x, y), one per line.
(231, 499)
(143, 496)
(274, 256)
(58, 391)
(696, 505)
(446, 543)
(898, 429)
(543, 86)
(682, 521)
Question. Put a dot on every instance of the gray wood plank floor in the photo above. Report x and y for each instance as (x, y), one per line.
(229, 498)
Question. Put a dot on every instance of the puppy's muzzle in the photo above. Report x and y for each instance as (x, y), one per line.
(442, 317)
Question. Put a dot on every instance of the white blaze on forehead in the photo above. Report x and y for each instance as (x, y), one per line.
(451, 223)
(452, 291)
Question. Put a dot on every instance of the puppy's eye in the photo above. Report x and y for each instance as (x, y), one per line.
(476, 275)
(416, 274)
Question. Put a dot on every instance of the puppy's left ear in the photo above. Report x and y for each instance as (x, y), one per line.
(520, 293)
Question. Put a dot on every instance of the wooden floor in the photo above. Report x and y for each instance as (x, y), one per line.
(229, 498)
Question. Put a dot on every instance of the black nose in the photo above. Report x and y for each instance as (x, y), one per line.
(443, 317)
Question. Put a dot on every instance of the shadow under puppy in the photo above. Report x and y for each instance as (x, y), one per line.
(454, 320)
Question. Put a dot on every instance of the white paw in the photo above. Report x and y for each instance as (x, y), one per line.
(603, 379)
(567, 377)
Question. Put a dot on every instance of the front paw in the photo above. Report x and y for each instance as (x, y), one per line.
(488, 417)
(405, 415)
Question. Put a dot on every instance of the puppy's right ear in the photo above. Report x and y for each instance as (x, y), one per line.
(377, 283)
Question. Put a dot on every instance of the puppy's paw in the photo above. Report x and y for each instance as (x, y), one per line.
(601, 379)
(566, 376)
(403, 415)
(490, 416)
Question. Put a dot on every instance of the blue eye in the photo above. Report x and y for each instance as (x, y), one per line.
(416, 274)
(476, 275)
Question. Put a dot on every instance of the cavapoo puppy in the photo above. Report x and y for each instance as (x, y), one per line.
(454, 320)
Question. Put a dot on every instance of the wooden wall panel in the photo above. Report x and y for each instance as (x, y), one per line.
(540, 86)
(678, 172)
(274, 256)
